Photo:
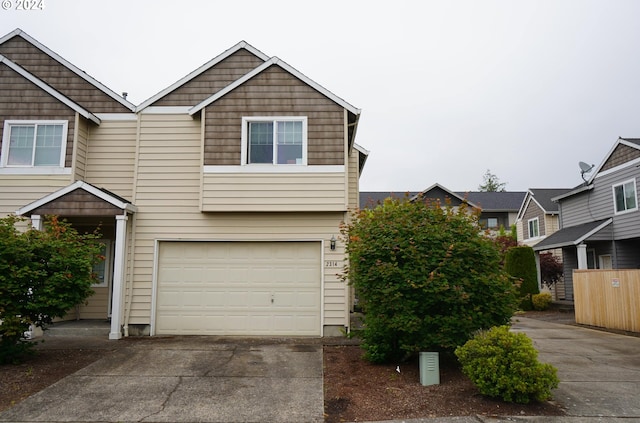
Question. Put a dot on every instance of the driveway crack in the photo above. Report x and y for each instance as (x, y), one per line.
(223, 365)
(166, 400)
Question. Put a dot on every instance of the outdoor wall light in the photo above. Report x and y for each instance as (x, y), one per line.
(332, 243)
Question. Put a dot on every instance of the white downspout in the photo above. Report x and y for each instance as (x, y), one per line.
(129, 282)
(118, 276)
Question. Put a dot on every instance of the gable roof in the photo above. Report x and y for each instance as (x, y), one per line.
(211, 63)
(362, 157)
(572, 235)
(103, 194)
(496, 201)
(633, 143)
(266, 65)
(544, 198)
(447, 193)
(629, 142)
(50, 90)
(82, 74)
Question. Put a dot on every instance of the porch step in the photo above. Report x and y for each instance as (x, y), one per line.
(79, 328)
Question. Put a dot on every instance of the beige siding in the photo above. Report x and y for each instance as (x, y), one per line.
(111, 157)
(353, 176)
(168, 200)
(520, 230)
(80, 148)
(95, 307)
(551, 223)
(286, 192)
(17, 191)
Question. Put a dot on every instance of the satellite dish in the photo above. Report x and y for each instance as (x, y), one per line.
(584, 168)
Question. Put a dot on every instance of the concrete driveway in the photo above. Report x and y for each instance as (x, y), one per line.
(187, 379)
(599, 371)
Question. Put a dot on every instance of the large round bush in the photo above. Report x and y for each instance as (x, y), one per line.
(426, 277)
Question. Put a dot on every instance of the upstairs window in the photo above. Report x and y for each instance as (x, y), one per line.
(624, 196)
(534, 228)
(274, 140)
(34, 143)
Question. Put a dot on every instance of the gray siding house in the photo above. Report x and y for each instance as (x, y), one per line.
(600, 219)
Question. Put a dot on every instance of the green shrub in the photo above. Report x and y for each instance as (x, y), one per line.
(504, 364)
(541, 301)
(520, 263)
(43, 274)
(426, 278)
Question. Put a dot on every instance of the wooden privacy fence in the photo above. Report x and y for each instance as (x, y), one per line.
(607, 298)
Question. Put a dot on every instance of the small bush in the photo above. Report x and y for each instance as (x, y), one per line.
(541, 301)
(504, 364)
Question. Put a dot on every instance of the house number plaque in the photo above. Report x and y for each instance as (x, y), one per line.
(331, 263)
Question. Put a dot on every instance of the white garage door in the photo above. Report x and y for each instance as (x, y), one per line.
(238, 288)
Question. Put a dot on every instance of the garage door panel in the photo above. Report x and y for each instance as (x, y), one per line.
(243, 288)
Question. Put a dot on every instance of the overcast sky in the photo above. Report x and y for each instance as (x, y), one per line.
(448, 89)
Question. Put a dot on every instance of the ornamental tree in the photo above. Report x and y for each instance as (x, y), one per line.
(43, 274)
(426, 278)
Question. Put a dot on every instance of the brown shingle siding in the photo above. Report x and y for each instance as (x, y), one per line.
(63, 80)
(274, 92)
(22, 100)
(211, 81)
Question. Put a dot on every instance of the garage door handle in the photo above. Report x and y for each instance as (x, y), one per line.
(271, 299)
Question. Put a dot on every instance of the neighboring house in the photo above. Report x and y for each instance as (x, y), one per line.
(218, 197)
(497, 209)
(599, 220)
(538, 218)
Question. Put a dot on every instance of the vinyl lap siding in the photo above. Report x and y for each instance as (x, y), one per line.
(111, 155)
(168, 201)
(80, 147)
(598, 204)
(17, 191)
(353, 176)
(533, 211)
(274, 192)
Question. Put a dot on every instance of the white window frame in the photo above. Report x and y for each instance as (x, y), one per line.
(31, 168)
(529, 222)
(245, 139)
(635, 191)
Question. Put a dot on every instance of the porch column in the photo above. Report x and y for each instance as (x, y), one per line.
(118, 277)
(36, 222)
(538, 271)
(582, 256)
